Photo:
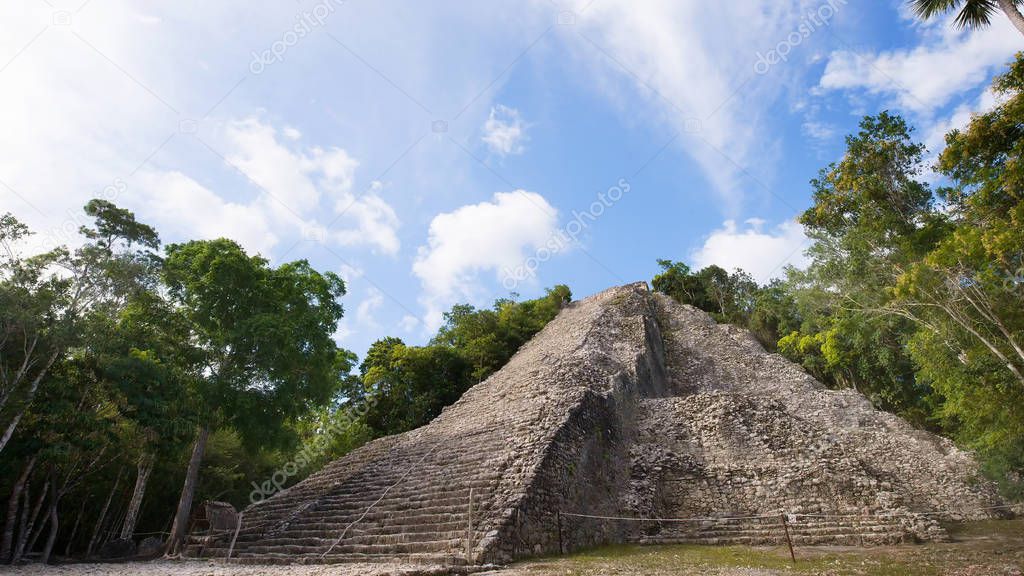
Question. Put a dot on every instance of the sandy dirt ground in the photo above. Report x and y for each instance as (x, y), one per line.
(206, 568)
(993, 548)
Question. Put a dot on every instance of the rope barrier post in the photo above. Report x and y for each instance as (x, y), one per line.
(789, 541)
(238, 526)
(558, 518)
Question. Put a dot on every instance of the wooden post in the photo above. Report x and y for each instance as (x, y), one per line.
(558, 518)
(789, 541)
(238, 527)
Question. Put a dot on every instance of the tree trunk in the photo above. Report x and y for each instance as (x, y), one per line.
(26, 503)
(28, 400)
(74, 529)
(145, 466)
(98, 528)
(1010, 8)
(54, 525)
(188, 491)
(9, 431)
(10, 521)
(26, 529)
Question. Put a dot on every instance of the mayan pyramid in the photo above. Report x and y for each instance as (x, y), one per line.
(627, 405)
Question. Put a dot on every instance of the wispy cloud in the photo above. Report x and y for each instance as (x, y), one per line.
(504, 131)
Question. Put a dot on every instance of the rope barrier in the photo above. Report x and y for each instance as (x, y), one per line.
(694, 519)
(385, 493)
(775, 515)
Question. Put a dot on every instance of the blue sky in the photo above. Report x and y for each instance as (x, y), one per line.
(443, 152)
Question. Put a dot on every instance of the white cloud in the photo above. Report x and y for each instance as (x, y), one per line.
(350, 272)
(408, 323)
(818, 130)
(504, 131)
(300, 180)
(947, 63)
(762, 254)
(376, 223)
(344, 331)
(486, 237)
(934, 135)
(179, 204)
(368, 307)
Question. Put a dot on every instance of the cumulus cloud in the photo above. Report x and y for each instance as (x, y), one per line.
(92, 104)
(486, 237)
(944, 65)
(504, 131)
(179, 202)
(302, 179)
(764, 254)
(291, 186)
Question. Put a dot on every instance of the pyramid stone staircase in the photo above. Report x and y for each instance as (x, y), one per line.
(626, 405)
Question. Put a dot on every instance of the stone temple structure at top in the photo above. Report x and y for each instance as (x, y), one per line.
(627, 407)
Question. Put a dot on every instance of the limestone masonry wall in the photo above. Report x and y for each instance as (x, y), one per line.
(626, 405)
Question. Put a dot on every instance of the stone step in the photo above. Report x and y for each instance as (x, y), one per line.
(430, 559)
(325, 540)
(387, 529)
(358, 492)
(345, 547)
(376, 518)
(394, 503)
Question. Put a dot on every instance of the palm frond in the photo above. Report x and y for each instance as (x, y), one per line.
(975, 14)
(926, 9)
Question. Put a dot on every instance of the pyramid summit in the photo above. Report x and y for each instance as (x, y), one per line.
(628, 406)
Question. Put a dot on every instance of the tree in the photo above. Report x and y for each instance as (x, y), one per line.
(486, 339)
(410, 385)
(872, 219)
(44, 298)
(733, 298)
(262, 336)
(972, 13)
(144, 354)
(965, 293)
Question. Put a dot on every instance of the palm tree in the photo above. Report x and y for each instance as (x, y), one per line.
(973, 13)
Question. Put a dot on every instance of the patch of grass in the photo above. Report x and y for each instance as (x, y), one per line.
(990, 547)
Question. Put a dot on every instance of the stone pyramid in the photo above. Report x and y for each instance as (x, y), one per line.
(627, 405)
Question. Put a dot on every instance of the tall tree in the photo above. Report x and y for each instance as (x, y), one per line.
(264, 344)
(44, 298)
(144, 354)
(966, 293)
